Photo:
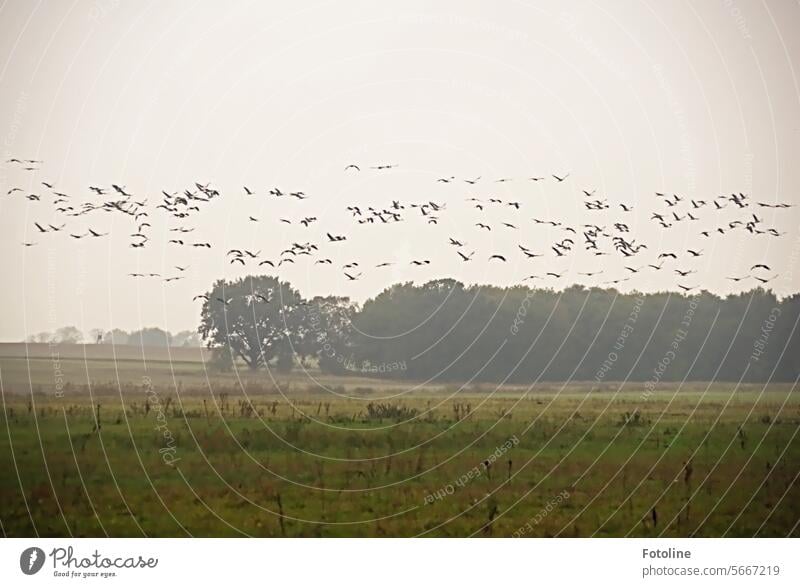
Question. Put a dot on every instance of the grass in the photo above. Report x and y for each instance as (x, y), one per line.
(188, 453)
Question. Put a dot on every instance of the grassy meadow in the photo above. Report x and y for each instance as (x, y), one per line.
(126, 446)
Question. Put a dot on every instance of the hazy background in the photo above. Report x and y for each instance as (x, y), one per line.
(630, 97)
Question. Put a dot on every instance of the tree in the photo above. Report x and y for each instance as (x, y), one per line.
(40, 337)
(188, 338)
(116, 336)
(329, 335)
(221, 359)
(150, 337)
(68, 335)
(258, 318)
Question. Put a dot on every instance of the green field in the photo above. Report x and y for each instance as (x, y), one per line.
(179, 451)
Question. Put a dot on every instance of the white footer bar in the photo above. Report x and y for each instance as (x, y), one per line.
(399, 562)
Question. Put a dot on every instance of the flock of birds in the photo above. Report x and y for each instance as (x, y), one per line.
(598, 236)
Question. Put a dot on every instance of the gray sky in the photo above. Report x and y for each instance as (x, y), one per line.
(698, 99)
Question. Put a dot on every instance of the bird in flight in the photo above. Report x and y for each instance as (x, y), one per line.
(465, 257)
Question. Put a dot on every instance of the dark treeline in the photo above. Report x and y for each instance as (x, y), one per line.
(446, 331)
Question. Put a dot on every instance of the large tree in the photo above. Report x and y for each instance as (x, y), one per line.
(68, 335)
(256, 318)
(329, 333)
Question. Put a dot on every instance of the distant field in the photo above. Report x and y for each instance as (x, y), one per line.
(131, 448)
(26, 367)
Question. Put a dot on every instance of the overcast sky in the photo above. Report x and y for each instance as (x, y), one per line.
(630, 97)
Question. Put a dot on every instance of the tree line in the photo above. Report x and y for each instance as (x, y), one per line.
(152, 336)
(444, 330)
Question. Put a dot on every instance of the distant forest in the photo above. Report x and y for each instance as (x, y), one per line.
(446, 331)
(144, 337)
